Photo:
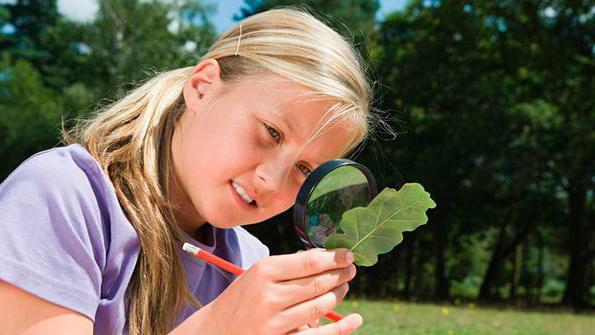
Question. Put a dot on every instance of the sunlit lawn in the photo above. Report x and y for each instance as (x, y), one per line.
(464, 319)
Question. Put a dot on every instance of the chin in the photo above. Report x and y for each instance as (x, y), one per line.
(223, 222)
(225, 218)
(226, 223)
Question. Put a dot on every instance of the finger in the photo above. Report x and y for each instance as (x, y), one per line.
(345, 326)
(305, 264)
(302, 289)
(304, 327)
(313, 324)
(311, 310)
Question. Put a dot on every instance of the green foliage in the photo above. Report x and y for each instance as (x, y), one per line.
(53, 68)
(130, 40)
(29, 114)
(493, 130)
(553, 289)
(30, 19)
(378, 228)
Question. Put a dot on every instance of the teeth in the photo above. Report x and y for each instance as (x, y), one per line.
(242, 193)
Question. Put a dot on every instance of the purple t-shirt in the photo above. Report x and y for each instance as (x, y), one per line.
(65, 238)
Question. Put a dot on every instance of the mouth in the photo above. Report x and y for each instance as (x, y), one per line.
(241, 196)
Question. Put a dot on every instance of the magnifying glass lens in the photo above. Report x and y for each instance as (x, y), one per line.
(338, 191)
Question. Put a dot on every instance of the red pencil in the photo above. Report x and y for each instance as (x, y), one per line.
(232, 268)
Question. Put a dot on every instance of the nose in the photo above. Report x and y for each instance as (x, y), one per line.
(272, 175)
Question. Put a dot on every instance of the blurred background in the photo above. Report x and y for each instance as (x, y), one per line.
(493, 104)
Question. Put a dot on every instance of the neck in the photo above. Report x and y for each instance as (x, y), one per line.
(186, 215)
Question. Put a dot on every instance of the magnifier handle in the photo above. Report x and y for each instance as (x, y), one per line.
(232, 268)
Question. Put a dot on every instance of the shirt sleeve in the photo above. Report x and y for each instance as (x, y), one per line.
(252, 249)
(52, 236)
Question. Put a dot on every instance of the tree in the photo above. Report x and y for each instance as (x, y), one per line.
(483, 92)
(29, 114)
(29, 19)
(54, 69)
(129, 39)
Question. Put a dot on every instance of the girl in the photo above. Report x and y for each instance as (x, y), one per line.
(92, 232)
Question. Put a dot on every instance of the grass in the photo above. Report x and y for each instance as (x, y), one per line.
(383, 318)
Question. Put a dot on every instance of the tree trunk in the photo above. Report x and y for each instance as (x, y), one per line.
(541, 270)
(441, 284)
(517, 259)
(524, 225)
(409, 266)
(486, 291)
(577, 249)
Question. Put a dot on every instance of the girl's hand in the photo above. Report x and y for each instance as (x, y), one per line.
(279, 294)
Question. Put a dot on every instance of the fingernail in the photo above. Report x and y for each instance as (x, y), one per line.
(352, 271)
(349, 257)
(356, 321)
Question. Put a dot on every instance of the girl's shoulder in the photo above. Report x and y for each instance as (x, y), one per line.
(65, 179)
(65, 237)
(58, 171)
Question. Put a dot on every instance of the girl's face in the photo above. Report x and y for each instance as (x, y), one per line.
(251, 134)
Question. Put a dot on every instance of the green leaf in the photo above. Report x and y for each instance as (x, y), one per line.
(378, 228)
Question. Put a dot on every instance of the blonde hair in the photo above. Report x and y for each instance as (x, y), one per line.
(131, 139)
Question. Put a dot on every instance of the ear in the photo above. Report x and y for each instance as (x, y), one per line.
(202, 83)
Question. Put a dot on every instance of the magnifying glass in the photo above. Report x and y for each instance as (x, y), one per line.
(330, 190)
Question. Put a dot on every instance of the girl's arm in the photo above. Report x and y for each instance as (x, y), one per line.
(24, 313)
(198, 323)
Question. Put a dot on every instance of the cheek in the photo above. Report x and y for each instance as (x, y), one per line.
(287, 197)
(221, 152)
(280, 205)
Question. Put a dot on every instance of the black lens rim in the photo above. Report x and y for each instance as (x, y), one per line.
(301, 202)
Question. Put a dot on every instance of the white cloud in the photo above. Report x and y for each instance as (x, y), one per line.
(78, 10)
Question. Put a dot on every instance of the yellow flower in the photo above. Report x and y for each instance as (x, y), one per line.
(445, 311)
(450, 332)
(471, 306)
(355, 304)
(396, 308)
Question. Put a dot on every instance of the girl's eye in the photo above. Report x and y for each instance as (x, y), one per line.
(304, 169)
(273, 132)
(276, 135)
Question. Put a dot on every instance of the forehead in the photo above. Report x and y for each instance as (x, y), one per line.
(302, 114)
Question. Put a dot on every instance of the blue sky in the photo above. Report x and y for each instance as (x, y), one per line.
(84, 10)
